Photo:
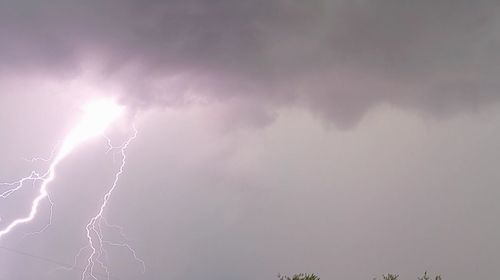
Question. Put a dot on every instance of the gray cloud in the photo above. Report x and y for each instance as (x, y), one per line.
(337, 58)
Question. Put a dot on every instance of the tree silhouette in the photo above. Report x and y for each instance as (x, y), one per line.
(426, 277)
(301, 276)
(396, 277)
(390, 277)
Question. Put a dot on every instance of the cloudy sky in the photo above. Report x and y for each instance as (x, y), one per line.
(348, 138)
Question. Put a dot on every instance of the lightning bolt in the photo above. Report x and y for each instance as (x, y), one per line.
(43, 193)
(95, 237)
(99, 115)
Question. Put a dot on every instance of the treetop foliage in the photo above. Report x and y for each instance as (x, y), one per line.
(301, 276)
(396, 277)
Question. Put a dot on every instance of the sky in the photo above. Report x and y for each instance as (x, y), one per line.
(345, 138)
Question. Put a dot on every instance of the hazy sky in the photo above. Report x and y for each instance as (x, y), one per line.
(346, 138)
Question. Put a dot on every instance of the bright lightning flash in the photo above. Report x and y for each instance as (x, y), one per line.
(97, 117)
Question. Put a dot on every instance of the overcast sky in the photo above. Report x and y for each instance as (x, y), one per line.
(346, 138)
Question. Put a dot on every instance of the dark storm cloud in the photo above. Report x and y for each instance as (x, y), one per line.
(338, 58)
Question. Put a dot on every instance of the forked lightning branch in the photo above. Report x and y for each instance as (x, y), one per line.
(97, 117)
